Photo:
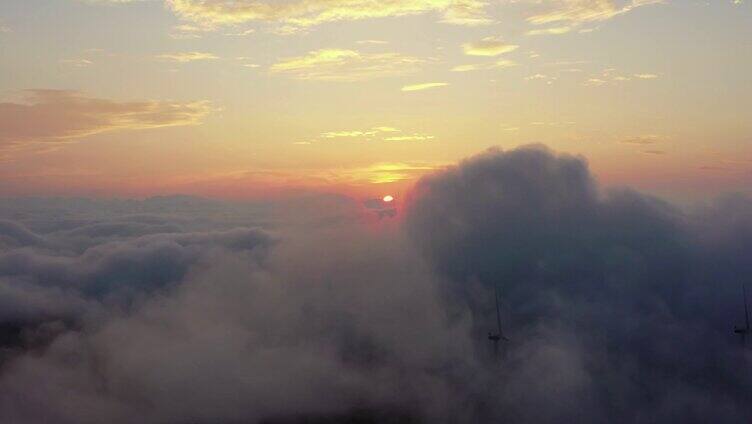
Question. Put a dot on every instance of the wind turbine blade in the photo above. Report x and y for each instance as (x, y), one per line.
(498, 313)
(746, 308)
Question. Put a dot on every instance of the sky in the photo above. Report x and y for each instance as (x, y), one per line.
(133, 98)
(416, 211)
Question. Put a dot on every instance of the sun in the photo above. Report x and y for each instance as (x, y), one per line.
(388, 199)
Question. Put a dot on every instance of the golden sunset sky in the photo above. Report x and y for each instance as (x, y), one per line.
(245, 98)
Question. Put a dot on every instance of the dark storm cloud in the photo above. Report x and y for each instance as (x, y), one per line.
(619, 307)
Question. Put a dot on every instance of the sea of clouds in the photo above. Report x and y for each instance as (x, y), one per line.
(619, 307)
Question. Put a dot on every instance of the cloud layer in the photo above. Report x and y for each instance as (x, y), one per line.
(618, 307)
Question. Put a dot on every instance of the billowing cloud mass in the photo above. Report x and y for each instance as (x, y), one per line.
(618, 307)
(60, 115)
(345, 65)
(313, 12)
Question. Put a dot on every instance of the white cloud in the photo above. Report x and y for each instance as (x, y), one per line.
(305, 13)
(424, 86)
(489, 46)
(499, 64)
(345, 65)
(185, 57)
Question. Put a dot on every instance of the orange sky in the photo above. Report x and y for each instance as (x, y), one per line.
(136, 98)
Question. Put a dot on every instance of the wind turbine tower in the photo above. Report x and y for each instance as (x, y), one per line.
(744, 331)
(499, 335)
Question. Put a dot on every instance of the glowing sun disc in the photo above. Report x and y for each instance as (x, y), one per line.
(388, 199)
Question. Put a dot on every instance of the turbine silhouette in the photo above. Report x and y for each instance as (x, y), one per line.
(499, 335)
(744, 331)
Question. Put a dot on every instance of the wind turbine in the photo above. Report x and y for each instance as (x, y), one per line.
(499, 335)
(743, 331)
